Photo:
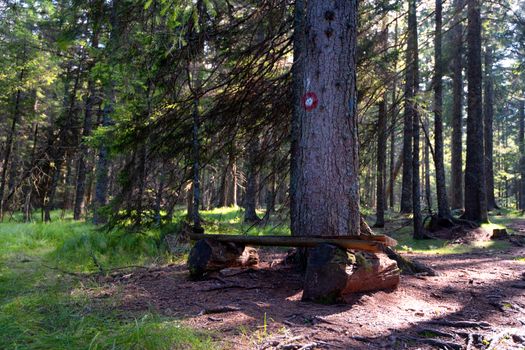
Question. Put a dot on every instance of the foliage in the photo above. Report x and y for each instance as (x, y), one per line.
(42, 307)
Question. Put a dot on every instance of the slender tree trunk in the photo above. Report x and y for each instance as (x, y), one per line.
(441, 183)
(407, 183)
(66, 205)
(326, 194)
(456, 171)
(392, 177)
(252, 183)
(196, 165)
(488, 117)
(9, 146)
(59, 153)
(412, 106)
(159, 196)
(475, 184)
(101, 184)
(521, 143)
(381, 164)
(83, 166)
(141, 170)
(271, 193)
(426, 166)
(299, 61)
(28, 188)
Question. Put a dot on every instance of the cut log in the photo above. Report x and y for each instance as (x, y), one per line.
(333, 272)
(499, 233)
(367, 243)
(211, 255)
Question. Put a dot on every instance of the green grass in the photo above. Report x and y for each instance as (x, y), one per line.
(43, 308)
(230, 220)
(443, 247)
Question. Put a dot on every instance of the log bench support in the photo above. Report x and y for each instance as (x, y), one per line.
(335, 267)
(333, 272)
(209, 255)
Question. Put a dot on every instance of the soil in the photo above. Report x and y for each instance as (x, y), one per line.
(262, 308)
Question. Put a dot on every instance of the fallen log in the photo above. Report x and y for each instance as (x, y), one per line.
(210, 255)
(372, 244)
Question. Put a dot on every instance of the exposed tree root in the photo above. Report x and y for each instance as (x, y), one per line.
(219, 310)
(462, 324)
(407, 266)
(434, 342)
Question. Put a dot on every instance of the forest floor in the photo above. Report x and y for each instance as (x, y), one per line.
(53, 295)
(262, 308)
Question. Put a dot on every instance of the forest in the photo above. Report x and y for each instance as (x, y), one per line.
(262, 174)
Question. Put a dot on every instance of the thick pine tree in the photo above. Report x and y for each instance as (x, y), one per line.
(326, 196)
(475, 184)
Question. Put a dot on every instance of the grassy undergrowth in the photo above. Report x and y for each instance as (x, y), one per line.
(230, 220)
(43, 307)
(498, 220)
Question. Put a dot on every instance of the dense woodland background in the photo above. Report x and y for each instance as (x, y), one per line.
(123, 111)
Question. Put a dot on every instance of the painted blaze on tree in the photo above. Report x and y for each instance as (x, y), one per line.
(327, 192)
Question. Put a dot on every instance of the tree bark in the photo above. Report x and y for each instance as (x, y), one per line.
(252, 183)
(414, 62)
(488, 118)
(299, 52)
(101, 185)
(441, 184)
(381, 164)
(392, 177)
(9, 145)
(326, 198)
(521, 143)
(407, 182)
(456, 183)
(475, 185)
(83, 166)
(196, 165)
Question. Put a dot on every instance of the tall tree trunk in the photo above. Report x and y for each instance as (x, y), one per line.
(326, 196)
(456, 171)
(66, 205)
(475, 185)
(27, 189)
(252, 182)
(102, 168)
(64, 140)
(196, 165)
(426, 166)
(488, 117)
(160, 195)
(381, 164)
(141, 170)
(407, 183)
(521, 143)
(392, 177)
(413, 109)
(83, 165)
(299, 61)
(441, 183)
(271, 192)
(9, 145)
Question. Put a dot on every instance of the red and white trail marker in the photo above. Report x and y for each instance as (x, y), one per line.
(310, 101)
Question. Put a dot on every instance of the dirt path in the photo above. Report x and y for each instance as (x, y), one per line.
(266, 311)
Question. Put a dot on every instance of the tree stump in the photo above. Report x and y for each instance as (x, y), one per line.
(332, 272)
(208, 255)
